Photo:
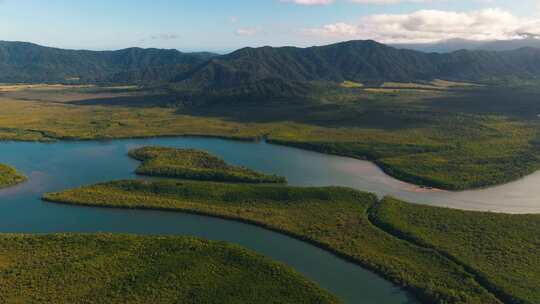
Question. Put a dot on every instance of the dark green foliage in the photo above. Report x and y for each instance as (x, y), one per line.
(333, 218)
(195, 164)
(252, 74)
(360, 61)
(128, 269)
(9, 176)
(502, 250)
(26, 62)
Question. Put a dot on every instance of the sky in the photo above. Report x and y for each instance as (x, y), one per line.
(225, 25)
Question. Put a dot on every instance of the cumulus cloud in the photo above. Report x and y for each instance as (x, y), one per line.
(433, 25)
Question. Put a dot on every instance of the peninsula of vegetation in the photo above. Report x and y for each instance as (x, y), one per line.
(103, 268)
(195, 165)
(502, 250)
(9, 176)
(442, 255)
(338, 219)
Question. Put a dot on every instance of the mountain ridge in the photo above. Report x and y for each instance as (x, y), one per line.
(29, 62)
(355, 60)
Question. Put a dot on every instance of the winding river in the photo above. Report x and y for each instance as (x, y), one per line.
(62, 165)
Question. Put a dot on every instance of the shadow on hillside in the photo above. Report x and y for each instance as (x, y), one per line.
(523, 103)
(138, 101)
(333, 116)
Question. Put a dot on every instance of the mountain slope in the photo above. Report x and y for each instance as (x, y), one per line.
(360, 61)
(27, 62)
(265, 70)
(452, 45)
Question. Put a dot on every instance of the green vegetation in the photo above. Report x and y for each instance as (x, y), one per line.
(356, 61)
(127, 269)
(9, 176)
(258, 69)
(27, 62)
(502, 250)
(333, 218)
(455, 138)
(351, 84)
(196, 165)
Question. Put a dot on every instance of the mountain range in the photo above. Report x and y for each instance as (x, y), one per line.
(27, 62)
(452, 45)
(264, 69)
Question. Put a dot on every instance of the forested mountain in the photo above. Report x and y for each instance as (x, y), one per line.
(264, 70)
(360, 61)
(452, 45)
(27, 62)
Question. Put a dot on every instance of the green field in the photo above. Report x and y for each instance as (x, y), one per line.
(195, 165)
(502, 250)
(128, 269)
(452, 138)
(9, 176)
(333, 218)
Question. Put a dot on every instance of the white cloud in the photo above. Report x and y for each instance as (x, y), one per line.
(248, 31)
(234, 19)
(432, 25)
(309, 2)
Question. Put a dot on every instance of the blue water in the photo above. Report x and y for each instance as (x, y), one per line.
(63, 165)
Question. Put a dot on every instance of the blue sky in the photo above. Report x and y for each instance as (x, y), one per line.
(225, 25)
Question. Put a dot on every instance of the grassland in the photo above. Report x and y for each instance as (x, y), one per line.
(9, 176)
(333, 218)
(457, 137)
(195, 165)
(128, 269)
(502, 250)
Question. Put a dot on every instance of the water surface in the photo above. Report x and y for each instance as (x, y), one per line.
(63, 165)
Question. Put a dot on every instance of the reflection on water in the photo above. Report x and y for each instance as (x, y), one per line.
(55, 167)
(58, 166)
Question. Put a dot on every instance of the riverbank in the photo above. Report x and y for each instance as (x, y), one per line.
(501, 250)
(333, 218)
(426, 139)
(10, 177)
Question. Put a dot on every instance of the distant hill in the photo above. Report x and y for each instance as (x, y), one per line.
(27, 62)
(265, 71)
(452, 45)
(361, 61)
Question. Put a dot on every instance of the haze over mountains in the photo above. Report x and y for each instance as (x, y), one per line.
(452, 45)
(256, 68)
